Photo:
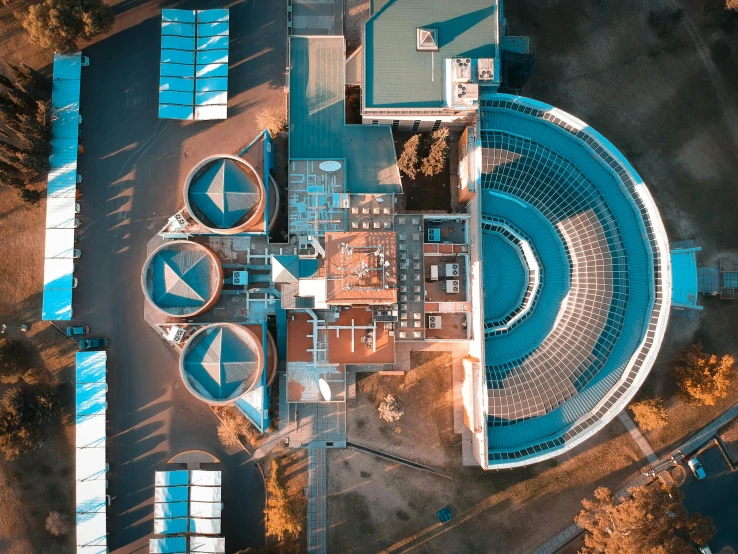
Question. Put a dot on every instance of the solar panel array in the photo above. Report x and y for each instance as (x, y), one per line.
(187, 508)
(193, 82)
(91, 467)
(61, 192)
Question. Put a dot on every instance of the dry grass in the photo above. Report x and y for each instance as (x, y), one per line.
(729, 435)
(378, 506)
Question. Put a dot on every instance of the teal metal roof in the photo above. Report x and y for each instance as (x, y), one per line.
(684, 278)
(317, 119)
(225, 194)
(222, 361)
(397, 75)
(505, 280)
(565, 371)
(181, 278)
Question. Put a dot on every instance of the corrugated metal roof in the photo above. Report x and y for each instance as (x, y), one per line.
(57, 305)
(169, 545)
(684, 278)
(58, 273)
(397, 75)
(317, 119)
(225, 194)
(59, 243)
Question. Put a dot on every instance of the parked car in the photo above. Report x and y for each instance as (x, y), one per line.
(696, 467)
(81, 330)
(705, 550)
(85, 61)
(89, 344)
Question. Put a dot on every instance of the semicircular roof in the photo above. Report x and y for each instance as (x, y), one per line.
(591, 335)
(222, 361)
(225, 194)
(181, 278)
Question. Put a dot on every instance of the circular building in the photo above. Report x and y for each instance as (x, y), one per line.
(182, 278)
(221, 362)
(575, 280)
(225, 195)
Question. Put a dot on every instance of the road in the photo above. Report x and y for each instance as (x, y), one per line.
(133, 168)
(715, 496)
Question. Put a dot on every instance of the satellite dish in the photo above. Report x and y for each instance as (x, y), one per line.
(325, 390)
(330, 166)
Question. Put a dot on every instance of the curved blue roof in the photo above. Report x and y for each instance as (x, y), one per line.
(564, 371)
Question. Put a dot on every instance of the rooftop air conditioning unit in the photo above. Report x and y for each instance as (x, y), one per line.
(452, 270)
(302, 242)
(486, 69)
(462, 69)
(434, 322)
(176, 334)
(452, 286)
(178, 222)
(240, 278)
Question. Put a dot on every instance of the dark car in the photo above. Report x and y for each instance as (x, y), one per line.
(89, 344)
(81, 330)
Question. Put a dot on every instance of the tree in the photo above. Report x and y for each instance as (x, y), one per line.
(282, 519)
(58, 524)
(31, 196)
(408, 162)
(58, 24)
(229, 431)
(30, 79)
(273, 119)
(731, 5)
(652, 519)
(701, 376)
(650, 413)
(391, 408)
(435, 161)
(14, 354)
(23, 417)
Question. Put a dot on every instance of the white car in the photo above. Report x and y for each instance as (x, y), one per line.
(696, 467)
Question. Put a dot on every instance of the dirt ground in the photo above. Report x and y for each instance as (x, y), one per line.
(379, 506)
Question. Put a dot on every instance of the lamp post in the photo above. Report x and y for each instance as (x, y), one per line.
(4, 328)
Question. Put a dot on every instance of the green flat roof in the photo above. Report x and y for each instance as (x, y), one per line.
(317, 119)
(399, 76)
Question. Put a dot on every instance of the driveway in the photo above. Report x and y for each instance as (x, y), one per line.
(715, 496)
(133, 169)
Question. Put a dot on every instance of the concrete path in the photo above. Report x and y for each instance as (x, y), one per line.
(688, 447)
(317, 514)
(640, 440)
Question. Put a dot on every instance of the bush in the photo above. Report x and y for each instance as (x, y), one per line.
(703, 377)
(391, 409)
(273, 119)
(435, 161)
(408, 162)
(23, 417)
(229, 431)
(649, 414)
(282, 514)
(31, 196)
(58, 524)
(59, 24)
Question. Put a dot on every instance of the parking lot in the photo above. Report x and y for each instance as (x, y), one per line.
(715, 496)
(133, 169)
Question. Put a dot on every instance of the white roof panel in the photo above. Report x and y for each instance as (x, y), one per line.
(59, 243)
(92, 549)
(90, 431)
(205, 494)
(211, 112)
(212, 70)
(207, 544)
(91, 465)
(58, 273)
(90, 398)
(170, 509)
(172, 28)
(91, 529)
(177, 43)
(205, 526)
(176, 70)
(206, 509)
(63, 154)
(169, 545)
(212, 56)
(212, 43)
(176, 84)
(186, 57)
(170, 494)
(91, 495)
(62, 183)
(212, 83)
(210, 16)
(170, 526)
(171, 478)
(205, 478)
(169, 111)
(212, 29)
(91, 367)
(60, 213)
(57, 305)
(183, 16)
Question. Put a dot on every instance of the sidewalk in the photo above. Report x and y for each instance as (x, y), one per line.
(687, 447)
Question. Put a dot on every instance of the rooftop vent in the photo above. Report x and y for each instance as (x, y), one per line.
(486, 69)
(426, 39)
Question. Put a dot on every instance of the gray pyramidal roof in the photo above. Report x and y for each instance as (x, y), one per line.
(181, 278)
(224, 193)
(222, 361)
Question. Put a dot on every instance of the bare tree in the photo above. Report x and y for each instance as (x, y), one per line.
(58, 524)
(391, 408)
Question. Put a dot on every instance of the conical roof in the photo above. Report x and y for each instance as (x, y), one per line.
(225, 193)
(181, 278)
(224, 359)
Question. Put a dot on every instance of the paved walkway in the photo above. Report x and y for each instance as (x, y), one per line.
(639, 439)
(317, 515)
(687, 447)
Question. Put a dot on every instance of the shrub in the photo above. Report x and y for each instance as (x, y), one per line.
(408, 162)
(30, 196)
(391, 408)
(703, 377)
(282, 513)
(273, 119)
(435, 161)
(649, 414)
(58, 524)
(229, 431)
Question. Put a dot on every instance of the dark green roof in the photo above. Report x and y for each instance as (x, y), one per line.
(397, 75)
(317, 119)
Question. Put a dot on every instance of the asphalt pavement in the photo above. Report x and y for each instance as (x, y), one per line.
(715, 496)
(133, 171)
